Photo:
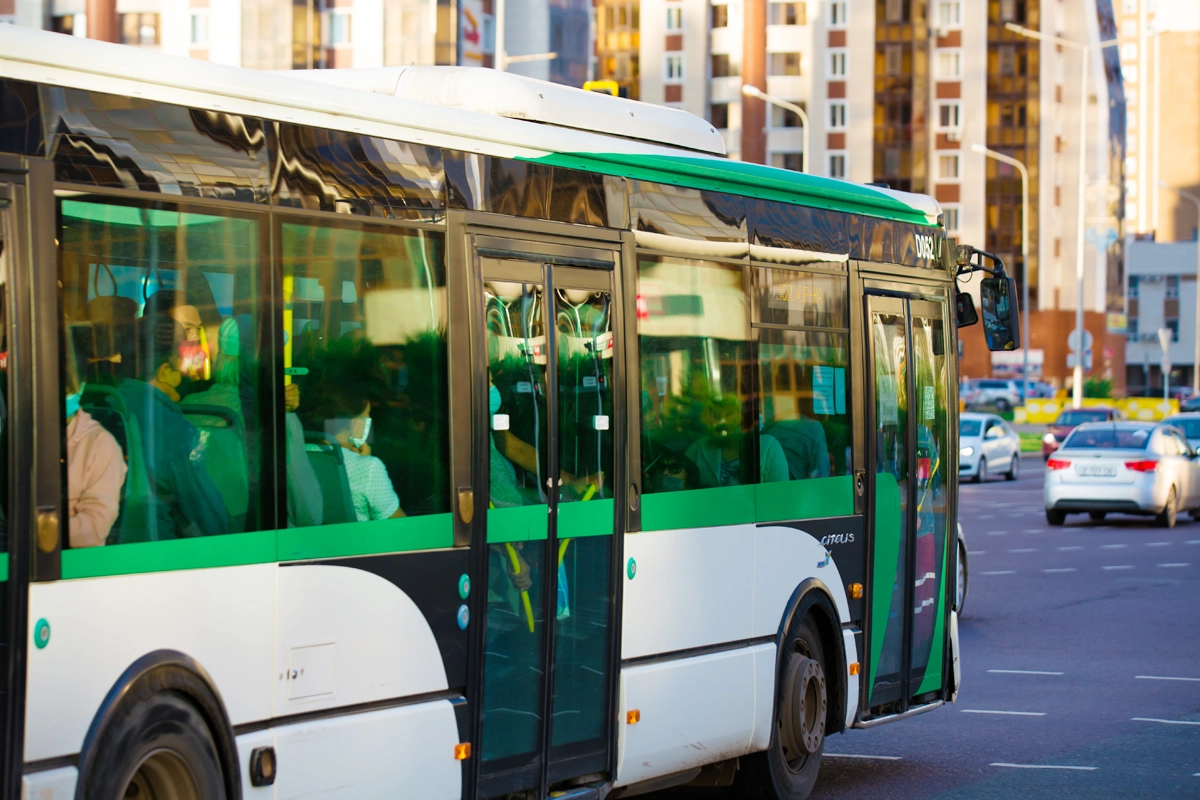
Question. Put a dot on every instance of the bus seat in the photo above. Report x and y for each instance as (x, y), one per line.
(136, 521)
(223, 441)
(330, 468)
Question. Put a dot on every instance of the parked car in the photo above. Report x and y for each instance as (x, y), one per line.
(1002, 395)
(1189, 423)
(1040, 389)
(986, 442)
(1191, 404)
(1069, 419)
(1124, 467)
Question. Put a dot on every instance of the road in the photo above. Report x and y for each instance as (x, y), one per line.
(1080, 656)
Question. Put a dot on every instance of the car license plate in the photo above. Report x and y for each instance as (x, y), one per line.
(1088, 471)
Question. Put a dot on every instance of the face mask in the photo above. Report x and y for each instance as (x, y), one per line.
(360, 441)
(493, 400)
(73, 402)
(671, 483)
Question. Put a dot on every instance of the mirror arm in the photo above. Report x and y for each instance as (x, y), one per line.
(970, 259)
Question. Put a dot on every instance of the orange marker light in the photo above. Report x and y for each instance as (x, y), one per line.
(854, 668)
(633, 717)
(462, 751)
(856, 591)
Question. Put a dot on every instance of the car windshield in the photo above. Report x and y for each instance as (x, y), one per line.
(1108, 438)
(969, 427)
(1190, 427)
(1080, 417)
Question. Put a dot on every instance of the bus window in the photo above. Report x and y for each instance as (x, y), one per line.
(159, 372)
(365, 356)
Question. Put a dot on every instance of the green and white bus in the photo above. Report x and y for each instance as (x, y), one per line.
(438, 433)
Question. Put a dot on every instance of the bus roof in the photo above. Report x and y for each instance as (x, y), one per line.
(628, 150)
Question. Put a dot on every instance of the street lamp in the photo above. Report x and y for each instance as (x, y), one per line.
(754, 91)
(1012, 162)
(1196, 320)
(501, 59)
(1084, 50)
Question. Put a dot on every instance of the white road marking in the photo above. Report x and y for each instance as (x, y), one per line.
(1167, 721)
(1072, 547)
(1157, 544)
(1177, 564)
(1008, 713)
(1122, 566)
(976, 552)
(1032, 530)
(1192, 541)
(1163, 678)
(1061, 569)
(1113, 546)
(853, 755)
(1023, 672)
(1000, 572)
(997, 533)
(1041, 766)
(986, 516)
(1024, 550)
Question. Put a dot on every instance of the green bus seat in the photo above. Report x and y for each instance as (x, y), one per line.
(223, 442)
(330, 468)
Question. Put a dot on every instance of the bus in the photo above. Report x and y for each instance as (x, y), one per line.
(441, 433)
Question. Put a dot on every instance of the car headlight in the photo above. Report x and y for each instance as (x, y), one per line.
(965, 451)
(1049, 439)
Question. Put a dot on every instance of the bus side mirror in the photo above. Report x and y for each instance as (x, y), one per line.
(964, 310)
(1001, 325)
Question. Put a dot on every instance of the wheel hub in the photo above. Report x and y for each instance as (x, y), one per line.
(802, 715)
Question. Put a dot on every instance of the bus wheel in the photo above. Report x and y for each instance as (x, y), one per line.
(159, 749)
(788, 768)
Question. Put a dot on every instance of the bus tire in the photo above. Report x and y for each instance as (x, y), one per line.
(787, 769)
(158, 741)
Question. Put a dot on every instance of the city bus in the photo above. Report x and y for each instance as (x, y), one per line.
(440, 433)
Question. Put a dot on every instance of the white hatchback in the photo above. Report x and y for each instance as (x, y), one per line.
(986, 445)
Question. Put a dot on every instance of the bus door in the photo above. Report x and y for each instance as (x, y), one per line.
(910, 487)
(549, 340)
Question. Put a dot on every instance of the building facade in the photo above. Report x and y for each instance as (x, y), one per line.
(1161, 294)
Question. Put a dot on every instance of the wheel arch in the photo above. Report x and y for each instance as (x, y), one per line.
(163, 670)
(813, 598)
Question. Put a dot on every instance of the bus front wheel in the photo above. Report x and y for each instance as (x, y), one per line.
(788, 768)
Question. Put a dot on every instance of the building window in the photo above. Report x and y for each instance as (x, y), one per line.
(720, 16)
(893, 59)
(674, 18)
(784, 64)
(837, 116)
(199, 28)
(949, 14)
(787, 14)
(1172, 324)
(948, 167)
(673, 68)
(792, 161)
(837, 14)
(949, 116)
(891, 162)
(339, 28)
(784, 117)
(894, 10)
(1131, 329)
(1133, 287)
(66, 24)
(949, 64)
(837, 63)
(722, 67)
(1008, 59)
(837, 165)
(139, 29)
(950, 218)
(718, 115)
(1173, 286)
(1012, 10)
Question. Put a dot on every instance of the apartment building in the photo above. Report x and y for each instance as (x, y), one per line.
(1161, 294)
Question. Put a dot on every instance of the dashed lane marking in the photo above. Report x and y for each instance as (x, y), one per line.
(1192, 541)
(1163, 678)
(1166, 721)
(855, 755)
(1158, 544)
(997, 533)
(1113, 546)
(1023, 672)
(1176, 564)
(1072, 547)
(1121, 566)
(1042, 766)
(976, 552)
(1000, 572)
(1060, 569)
(986, 516)
(1024, 550)
(1008, 713)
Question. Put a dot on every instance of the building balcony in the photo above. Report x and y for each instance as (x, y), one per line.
(726, 90)
(789, 39)
(793, 88)
(785, 140)
(725, 41)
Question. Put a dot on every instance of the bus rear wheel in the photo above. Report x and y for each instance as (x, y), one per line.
(787, 769)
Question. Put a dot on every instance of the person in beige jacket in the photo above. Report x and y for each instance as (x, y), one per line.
(95, 475)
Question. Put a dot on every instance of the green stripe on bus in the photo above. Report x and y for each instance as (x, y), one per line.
(518, 524)
(887, 554)
(577, 520)
(234, 549)
(740, 177)
(807, 499)
(428, 532)
(698, 508)
(4, 568)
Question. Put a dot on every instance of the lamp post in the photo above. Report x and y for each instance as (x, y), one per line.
(502, 59)
(1012, 162)
(1084, 51)
(1196, 319)
(754, 91)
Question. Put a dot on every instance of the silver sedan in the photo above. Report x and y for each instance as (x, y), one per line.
(1125, 467)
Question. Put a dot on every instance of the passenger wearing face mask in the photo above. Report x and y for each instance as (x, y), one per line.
(371, 488)
(95, 473)
(718, 456)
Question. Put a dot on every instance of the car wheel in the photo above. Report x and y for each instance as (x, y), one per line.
(960, 589)
(981, 473)
(1097, 516)
(1055, 517)
(1014, 469)
(1166, 517)
(1002, 405)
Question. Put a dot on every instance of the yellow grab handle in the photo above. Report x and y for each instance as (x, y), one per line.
(516, 563)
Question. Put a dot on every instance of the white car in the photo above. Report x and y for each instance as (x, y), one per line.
(1125, 467)
(987, 445)
(1189, 423)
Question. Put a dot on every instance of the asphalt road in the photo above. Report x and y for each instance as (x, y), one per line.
(1080, 666)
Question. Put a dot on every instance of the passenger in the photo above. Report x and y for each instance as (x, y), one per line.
(306, 506)
(186, 503)
(718, 455)
(804, 443)
(371, 489)
(95, 474)
(194, 349)
(225, 391)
